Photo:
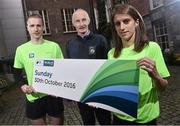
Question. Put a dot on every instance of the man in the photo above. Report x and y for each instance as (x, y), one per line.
(88, 46)
(37, 104)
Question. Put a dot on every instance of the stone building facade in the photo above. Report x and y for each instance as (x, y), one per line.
(162, 19)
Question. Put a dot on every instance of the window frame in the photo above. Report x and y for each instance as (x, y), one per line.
(152, 4)
(161, 33)
(67, 28)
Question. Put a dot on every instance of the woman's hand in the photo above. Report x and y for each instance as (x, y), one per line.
(150, 66)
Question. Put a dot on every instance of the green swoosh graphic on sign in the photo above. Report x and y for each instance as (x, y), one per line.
(113, 72)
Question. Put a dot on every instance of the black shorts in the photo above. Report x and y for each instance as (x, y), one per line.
(53, 106)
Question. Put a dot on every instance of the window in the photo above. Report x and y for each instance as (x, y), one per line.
(161, 35)
(156, 3)
(45, 17)
(67, 20)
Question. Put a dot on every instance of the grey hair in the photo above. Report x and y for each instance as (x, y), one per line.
(80, 10)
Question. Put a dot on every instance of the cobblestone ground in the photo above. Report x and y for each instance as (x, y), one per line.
(12, 105)
(12, 109)
(170, 99)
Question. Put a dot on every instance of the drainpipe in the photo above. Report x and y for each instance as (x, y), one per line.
(25, 12)
(3, 48)
(92, 16)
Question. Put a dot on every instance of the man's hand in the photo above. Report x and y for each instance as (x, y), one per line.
(27, 89)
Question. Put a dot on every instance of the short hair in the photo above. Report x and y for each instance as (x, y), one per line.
(141, 39)
(35, 16)
(80, 10)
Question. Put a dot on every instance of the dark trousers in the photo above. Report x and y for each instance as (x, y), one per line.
(88, 115)
(117, 121)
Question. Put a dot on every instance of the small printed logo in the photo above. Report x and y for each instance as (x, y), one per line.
(49, 63)
(92, 50)
(39, 63)
(31, 55)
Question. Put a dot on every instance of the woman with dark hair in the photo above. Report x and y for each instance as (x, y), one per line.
(131, 43)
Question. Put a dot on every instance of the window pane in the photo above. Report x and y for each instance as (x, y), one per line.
(161, 33)
(67, 22)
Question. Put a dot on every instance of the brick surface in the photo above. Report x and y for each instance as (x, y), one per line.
(12, 105)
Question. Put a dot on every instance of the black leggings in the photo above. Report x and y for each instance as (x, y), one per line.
(88, 115)
(117, 121)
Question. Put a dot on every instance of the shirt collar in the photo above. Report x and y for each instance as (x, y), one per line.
(86, 36)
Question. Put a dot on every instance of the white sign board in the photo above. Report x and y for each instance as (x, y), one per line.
(108, 84)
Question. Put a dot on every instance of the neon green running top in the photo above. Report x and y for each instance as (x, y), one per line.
(28, 52)
(148, 102)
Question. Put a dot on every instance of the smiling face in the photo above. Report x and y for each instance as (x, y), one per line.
(125, 27)
(35, 27)
(81, 21)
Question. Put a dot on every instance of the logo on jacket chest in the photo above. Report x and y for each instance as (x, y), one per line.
(92, 50)
(31, 55)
